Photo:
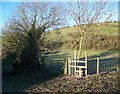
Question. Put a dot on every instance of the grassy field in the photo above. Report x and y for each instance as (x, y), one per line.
(102, 29)
(54, 62)
(108, 59)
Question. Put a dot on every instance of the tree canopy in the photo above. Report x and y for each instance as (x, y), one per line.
(24, 31)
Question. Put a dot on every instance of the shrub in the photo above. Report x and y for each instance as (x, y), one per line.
(101, 42)
(92, 41)
(53, 45)
(26, 47)
(74, 34)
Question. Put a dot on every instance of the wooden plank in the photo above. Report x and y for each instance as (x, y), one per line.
(73, 64)
(86, 62)
(68, 66)
(97, 65)
(78, 66)
(78, 61)
(75, 61)
(65, 68)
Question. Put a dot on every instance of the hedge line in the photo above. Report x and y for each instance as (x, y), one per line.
(92, 41)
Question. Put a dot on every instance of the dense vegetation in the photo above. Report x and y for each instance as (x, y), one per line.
(24, 30)
(103, 37)
(23, 50)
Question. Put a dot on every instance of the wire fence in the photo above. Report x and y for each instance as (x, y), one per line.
(105, 65)
(54, 67)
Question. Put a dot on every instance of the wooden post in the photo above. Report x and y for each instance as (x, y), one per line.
(75, 62)
(65, 67)
(97, 65)
(86, 62)
(68, 66)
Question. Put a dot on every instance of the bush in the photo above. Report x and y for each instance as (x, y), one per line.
(74, 34)
(101, 42)
(92, 41)
(53, 45)
(26, 47)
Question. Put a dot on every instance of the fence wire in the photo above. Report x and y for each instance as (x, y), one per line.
(105, 65)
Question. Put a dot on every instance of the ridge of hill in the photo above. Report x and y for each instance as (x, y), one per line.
(103, 35)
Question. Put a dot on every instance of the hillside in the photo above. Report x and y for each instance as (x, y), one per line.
(95, 83)
(68, 37)
(102, 29)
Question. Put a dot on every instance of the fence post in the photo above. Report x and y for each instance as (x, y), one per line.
(68, 66)
(65, 67)
(86, 62)
(75, 62)
(97, 65)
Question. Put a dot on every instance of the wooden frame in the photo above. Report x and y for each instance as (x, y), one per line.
(78, 69)
(74, 67)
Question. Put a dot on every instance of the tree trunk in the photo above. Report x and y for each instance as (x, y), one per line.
(80, 47)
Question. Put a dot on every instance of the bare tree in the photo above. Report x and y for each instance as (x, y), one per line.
(26, 28)
(86, 14)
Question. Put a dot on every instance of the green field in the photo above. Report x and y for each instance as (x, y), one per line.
(109, 29)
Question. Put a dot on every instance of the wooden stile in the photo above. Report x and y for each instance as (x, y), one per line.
(74, 68)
